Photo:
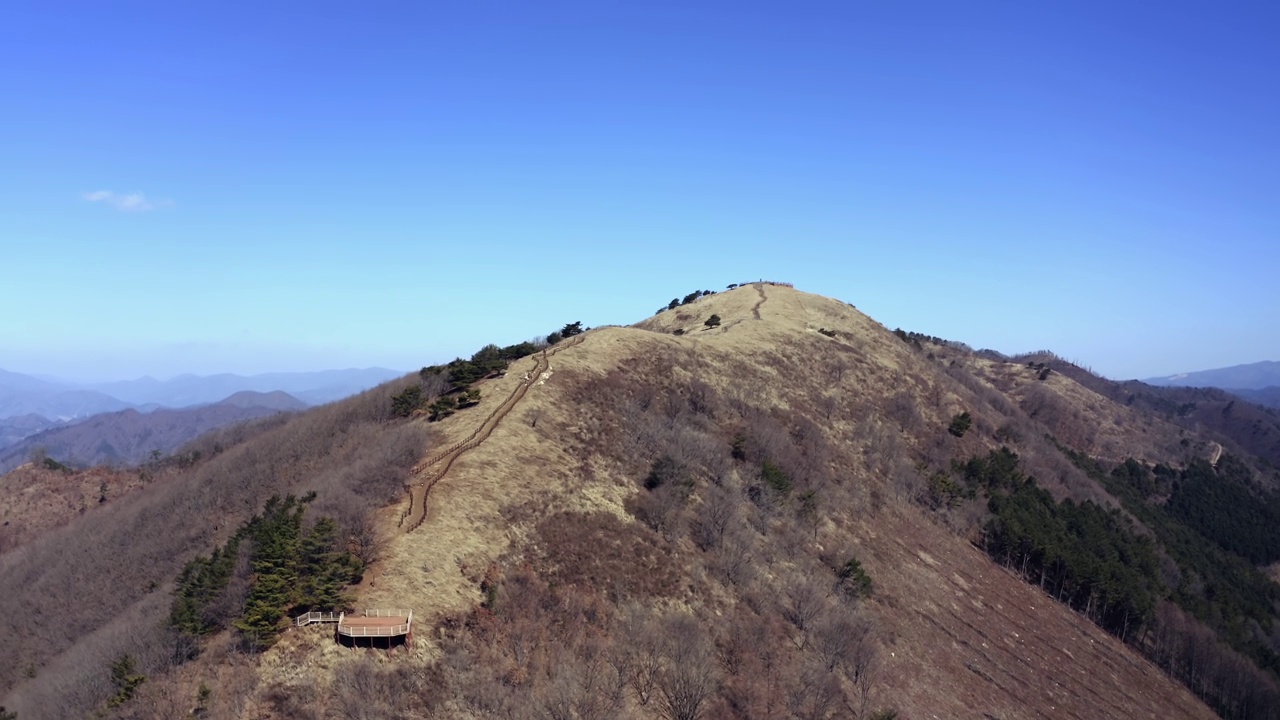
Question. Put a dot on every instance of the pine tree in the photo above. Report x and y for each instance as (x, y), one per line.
(276, 535)
(325, 569)
(125, 681)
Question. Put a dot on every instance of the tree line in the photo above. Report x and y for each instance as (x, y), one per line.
(1084, 555)
(1218, 640)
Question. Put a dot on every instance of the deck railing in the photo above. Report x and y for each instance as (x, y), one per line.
(361, 630)
(317, 617)
(395, 612)
(378, 630)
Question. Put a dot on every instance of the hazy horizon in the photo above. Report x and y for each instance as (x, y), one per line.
(247, 189)
(103, 380)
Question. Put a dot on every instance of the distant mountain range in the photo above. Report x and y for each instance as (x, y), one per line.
(128, 437)
(313, 388)
(1257, 382)
(122, 422)
(61, 401)
(1254, 376)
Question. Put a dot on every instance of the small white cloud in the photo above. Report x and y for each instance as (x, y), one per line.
(125, 202)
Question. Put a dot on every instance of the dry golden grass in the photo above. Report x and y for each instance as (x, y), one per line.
(440, 563)
(1110, 431)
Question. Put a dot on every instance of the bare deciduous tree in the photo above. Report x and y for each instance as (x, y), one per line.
(688, 678)
(802, 602)
(718, 510)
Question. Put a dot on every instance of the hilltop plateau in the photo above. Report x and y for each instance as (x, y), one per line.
(758, 503)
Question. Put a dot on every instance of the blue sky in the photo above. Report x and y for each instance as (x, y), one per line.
(250, 187)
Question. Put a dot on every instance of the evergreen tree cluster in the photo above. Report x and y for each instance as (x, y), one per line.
(200, 584)
(568, 331)
(1220, 504)
(294, 569)
(775, 478)
(1086, 556)
(917, 340)
(1042, 370)
(677, 302)
(488, 361)
(124, 680)
(1208, 512)
(853, 579)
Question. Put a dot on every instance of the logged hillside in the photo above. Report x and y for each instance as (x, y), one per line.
(757, 503)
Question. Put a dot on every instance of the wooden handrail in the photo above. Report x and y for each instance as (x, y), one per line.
(364, 631)
(316, 617)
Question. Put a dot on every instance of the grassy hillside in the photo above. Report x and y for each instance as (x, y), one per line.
(757, 503)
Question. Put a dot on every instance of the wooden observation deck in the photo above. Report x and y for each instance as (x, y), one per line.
(371, 624)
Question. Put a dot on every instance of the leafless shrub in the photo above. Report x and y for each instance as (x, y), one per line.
(739, 638)
(862, 668)
(814, 693)
(801, 603)
(905, 479)
(734, 560)
(76, 683)
(299, 701)
(662, 509)
(718, 510)
(688, 678)
(597, 550)
(642, 654)
(366, 689)
(902, 410)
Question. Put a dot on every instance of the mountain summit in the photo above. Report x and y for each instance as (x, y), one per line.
(756, 503)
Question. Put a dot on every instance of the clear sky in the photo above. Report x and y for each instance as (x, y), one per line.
(250, 187)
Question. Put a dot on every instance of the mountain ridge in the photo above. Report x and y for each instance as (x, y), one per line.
(699, 485)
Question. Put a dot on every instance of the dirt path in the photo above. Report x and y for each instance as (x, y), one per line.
(755, 309)
(434, 469)
(1217, 455)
